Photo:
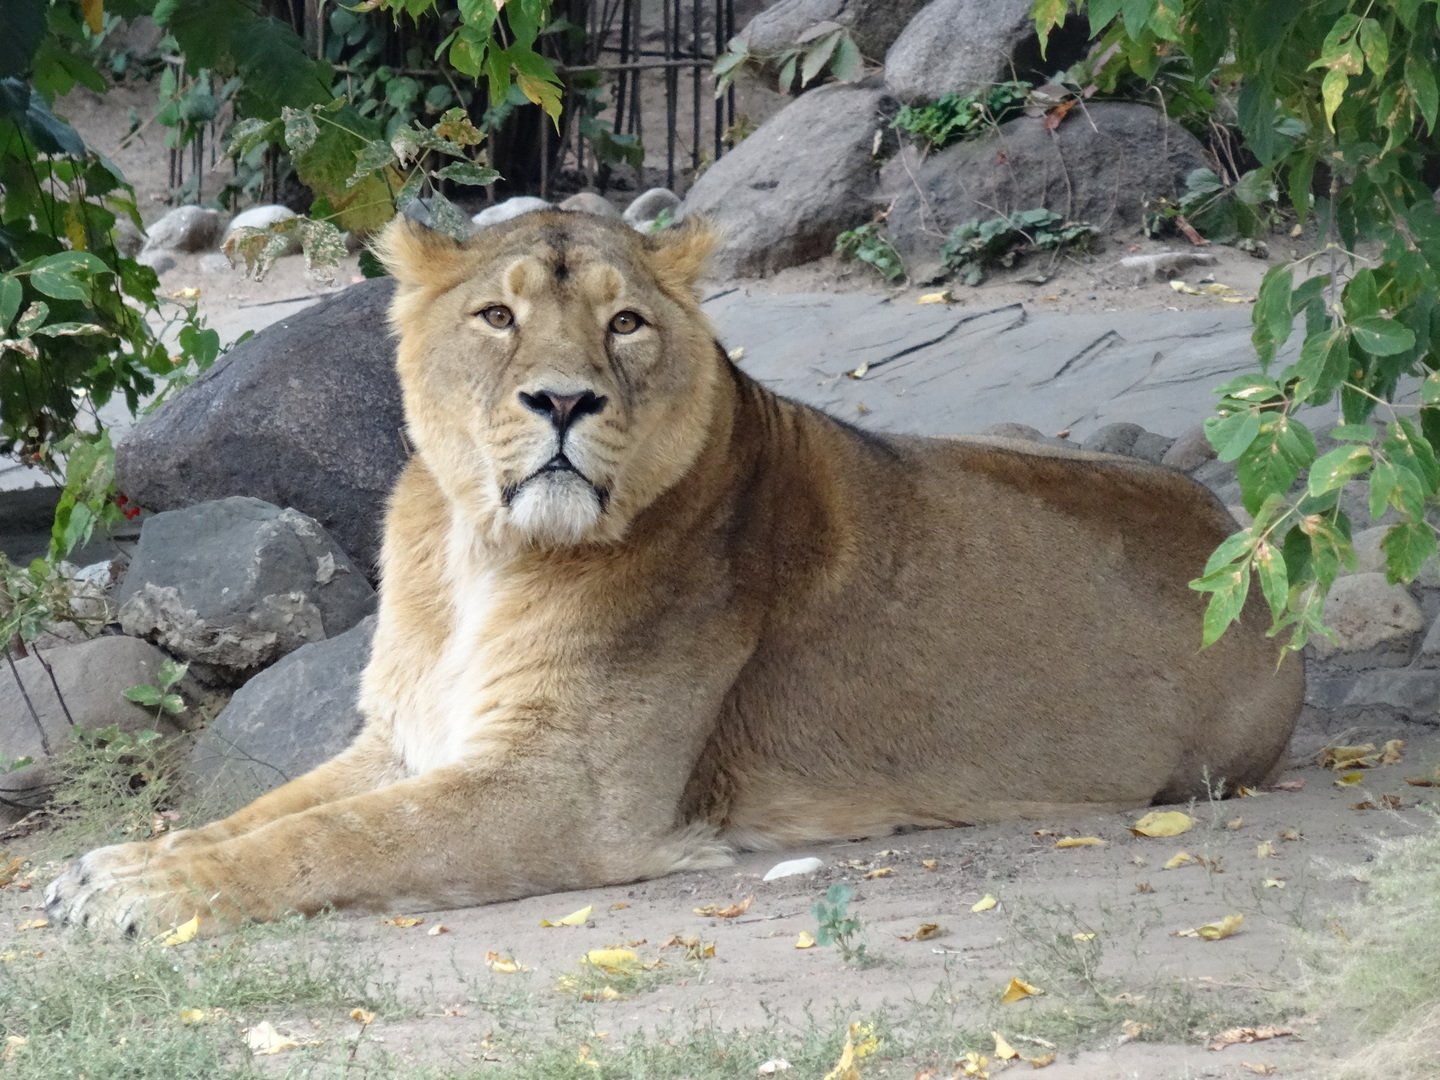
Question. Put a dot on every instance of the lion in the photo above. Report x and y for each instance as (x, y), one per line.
(637, 613)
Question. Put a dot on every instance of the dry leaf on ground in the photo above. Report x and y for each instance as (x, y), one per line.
(985, 903)
(613, 961)
(1257, 1068)
(879, 872)
(503, 965)
(1018, 989)
(714, 911)
(930, 864)
(1179, 859)
(575, 918)
(1003, 1050)
(860, 1043)
(1232, 1036)
(363, 1017)
(1079, 841)
(973, 1064)
(264, 1039)
(1042, 1061)
(11, 870)
(924, 932)
(806, 940)
(192, 1016)
(183, 933)
(1163, 823)
(404, 922)
(1215, 931)
(944, 296)
(34, 924)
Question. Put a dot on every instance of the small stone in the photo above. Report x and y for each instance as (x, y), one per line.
(186, 228)
(647, 207)
(1188, 452)
(1113, 439)
(1159, 266)
(510, 208)
(588, 202)
(793, 867)
(1024, 433)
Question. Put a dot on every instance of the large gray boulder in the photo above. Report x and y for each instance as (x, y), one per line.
(304, 414)
(1100, 166)
(966, 46)
(237, 583)
(53, 694)
(873, 24)
(283, 722)
(782, 196)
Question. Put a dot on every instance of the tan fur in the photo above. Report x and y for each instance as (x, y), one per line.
(746, 625)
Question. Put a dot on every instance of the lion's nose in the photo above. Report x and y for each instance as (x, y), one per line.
(562, 410)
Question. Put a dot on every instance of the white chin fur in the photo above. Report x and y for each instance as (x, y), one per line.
(562, 510)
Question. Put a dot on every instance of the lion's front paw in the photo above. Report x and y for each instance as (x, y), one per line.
(127, 889)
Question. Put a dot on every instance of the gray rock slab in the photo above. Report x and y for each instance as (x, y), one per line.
(306, 414)
(783, 195)
(234, 584)
(957, 46)
(935, 370)
(874, 24)
(283, 722)
(83, 690)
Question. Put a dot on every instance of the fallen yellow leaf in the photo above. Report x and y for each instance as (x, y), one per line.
(619, 905)
(405, 922)
(1179, 859)
(35, 924)
(805, 940)
(11, 870)
(1083, 935)
(879, 872)
(930, 864)
(1162, 823)
(1217, 930)
(860, 1043)
(985, 903)
(1232, 1036)
(924, 932)
(264, 1039)
(1257, 1068)
(1042, 1061)
(1243, 792)
(1079, 841)
(363, 1017)
(503, 965)
(944, 296)
(1390, 753)
(1364, 756)
(1234, 823)
(192, 1016)
(437, 930)
(713, 911)
(575, 918)
(1018, 990)
(1272, 883)
(1265, 849)
(613, 961)
(973, 1064)
(183, 933)
(1003, 1050)
(1291, 834)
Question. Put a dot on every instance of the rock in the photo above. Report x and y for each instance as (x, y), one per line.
(213, 262)
(262, 217)
(588, 202)
(237, 583)
(186, 228)
(156, 260)
(1375, 623)
(91, 677)
(1113, 439)
(874, 24)
(283, 722)
(306, 414)
(1367, 696)
(1101, 175)
(129, 240)
(510, 208)
(1151, 447)
(645, 209)
(966, 46)
(1370, 553)
(1158, 266)
(792, 867)
(1188, 452)
(1025, 433)
(804, 176)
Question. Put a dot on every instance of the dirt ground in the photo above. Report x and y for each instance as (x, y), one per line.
(1135, 1000)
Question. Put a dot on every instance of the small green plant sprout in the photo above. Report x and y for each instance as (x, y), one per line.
(1219, 212)
(999, 241)
(953, 117)
(867, 244)
(161, 697)
(826, 46)
(837, 926)
(663, 220)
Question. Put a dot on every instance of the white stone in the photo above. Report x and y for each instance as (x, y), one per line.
(792, 867)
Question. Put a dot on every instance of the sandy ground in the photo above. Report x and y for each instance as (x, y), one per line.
(1292, 862)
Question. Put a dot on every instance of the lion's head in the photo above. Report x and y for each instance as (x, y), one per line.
(557, 371)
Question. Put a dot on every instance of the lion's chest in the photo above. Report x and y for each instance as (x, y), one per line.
(448, 710)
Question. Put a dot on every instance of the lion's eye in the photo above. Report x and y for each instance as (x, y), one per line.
(627, 322)
(499, 316)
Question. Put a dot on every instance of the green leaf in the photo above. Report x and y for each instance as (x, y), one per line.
(1239, 437)
(1407, 546)
(1380, 336)
(173, 704)
(1273, 461)
(1375, 45)
(1353, 433)
(11, 294)
(1332, 92)
(1273, 316)
(1338, 466)
(1407, 447)
(1227, 600)
(467, 172)
(846, 65)
(24, 30)
(373, 156)
(1234, 548)
(1323, 364)
(1048, 15)
(59, 276)
(818, 55)
(786, 79)
(1421, 81)
(1270, 569)
(171, 672)
(144, 694)
(301, 130)
(32, 318)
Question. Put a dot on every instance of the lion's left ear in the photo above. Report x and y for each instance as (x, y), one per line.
(415, 254)
(679, 255)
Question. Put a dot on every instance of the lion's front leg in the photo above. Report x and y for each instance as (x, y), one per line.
(369, 763)
(458, 835)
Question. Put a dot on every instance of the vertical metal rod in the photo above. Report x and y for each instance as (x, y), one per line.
(636, 116)
(624, 59)
(695, 86)
(720, 39)
(672, 52)
(729, 33)
(544, 155)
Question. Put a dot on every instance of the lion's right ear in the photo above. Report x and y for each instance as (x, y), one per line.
(415, 254)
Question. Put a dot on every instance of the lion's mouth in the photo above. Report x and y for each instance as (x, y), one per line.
(559, 464)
